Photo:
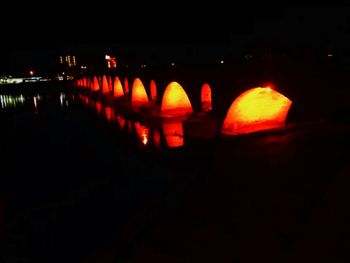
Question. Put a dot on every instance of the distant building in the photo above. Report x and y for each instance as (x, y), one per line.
(111, 61)
(68, 61)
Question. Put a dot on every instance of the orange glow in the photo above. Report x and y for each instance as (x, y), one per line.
(175, 101)
(96, 85)
(98, 106)
(121, 121)
(105, 88)
(109, 113)
(118, 88)
(91, 84)
(85, 82)
(256, 109)
(156, 138)
(153, 90)
(173, 133)
(126, 86)
(142, 132)
(138, 93)
(206, 97)
(110, 83)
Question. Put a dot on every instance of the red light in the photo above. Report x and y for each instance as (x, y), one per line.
(126, 86)
(153, 90)
(109, 113)
(206, 97)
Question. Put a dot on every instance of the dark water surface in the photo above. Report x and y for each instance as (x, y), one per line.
(80, 183)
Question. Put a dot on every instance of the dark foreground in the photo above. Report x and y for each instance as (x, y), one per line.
(74, 188)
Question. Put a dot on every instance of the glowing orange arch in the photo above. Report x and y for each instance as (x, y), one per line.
(256, 109)
(206, 97)
(126, 86)
(118, 88)
(138, 93)
(175, 101)
(96, 85)
(105, 88)
(153, 90)
(110, 83)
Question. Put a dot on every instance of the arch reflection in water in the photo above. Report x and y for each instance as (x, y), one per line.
(8, 101)
(121, 121)
(86, 100)
(129, 125)
(156, 138)
(173, 133)
(109, 113)
(142, 132)
(92, 104)
(98, 107)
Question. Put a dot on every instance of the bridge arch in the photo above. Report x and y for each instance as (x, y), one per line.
(256, 109)
(175, 101)
(138, 93)
(117, 88)
(206, 97)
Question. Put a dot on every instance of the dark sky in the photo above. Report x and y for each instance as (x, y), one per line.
(34, 34)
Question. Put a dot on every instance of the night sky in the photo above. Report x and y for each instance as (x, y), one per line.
(91, 30)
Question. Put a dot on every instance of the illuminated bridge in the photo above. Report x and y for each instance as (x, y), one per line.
(182, 93)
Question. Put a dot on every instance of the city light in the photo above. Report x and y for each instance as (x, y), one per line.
(111, 61)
